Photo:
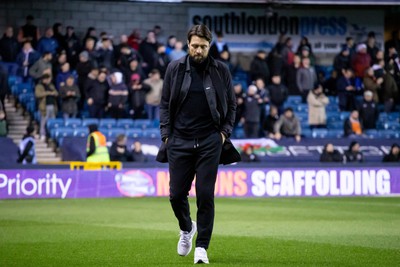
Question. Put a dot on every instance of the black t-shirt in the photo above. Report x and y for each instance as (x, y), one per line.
(50, 99)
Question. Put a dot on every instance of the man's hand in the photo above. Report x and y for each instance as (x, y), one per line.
(223, 138)
(298, 138)
(278, 136)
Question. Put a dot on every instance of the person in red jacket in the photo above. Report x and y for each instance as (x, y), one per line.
(360, 63)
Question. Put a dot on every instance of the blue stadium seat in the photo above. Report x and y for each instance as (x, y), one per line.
(14, 79)
(294, 99)
(301, 107)
(306, 133)
(238, 133)
(152, 133)
(372, 133)
(61, 132)
(107, 123)
(319, 133)
(383, 116)
(125, 123)
(156, 123)
(393, 116)
(54, 123)
(114, 132)
(389, 134)
(344, 115)
(72, 122)
(302, 116)
(332, 108)
(143, 123)
(332, 116)
(134, 133)
(335, 133)
(335, 125)
(81, 132)
(88, 121)
(333, 100)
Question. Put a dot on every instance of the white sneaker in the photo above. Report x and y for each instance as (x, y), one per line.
(200, 256)
(185, 240)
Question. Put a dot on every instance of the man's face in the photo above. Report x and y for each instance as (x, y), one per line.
(198, 48)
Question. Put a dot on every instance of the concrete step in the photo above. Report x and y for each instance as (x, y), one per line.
(48, 160)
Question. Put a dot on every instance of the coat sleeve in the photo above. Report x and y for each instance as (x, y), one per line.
(227, 125)
(164, 104)
(40, 92)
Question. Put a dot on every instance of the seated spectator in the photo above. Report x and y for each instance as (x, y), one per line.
(119, 150)
(394, 154)
(153, 97)
(70, 95)
(97, 96)
(353, 154)
(137, 97)
(269, 122)
(42, 66)
(305, 78)
(137, 153)
(259, 67)
(9, 46)
(368, 111)
(352, 125)
(330, 154)
(25, 59)
(46, 95)
(288, 125)
(3, 121)
(177, 52)
(47, 43)
(251, 112)
(240, 96)
(248, 154)
(317, 102)
(372, 83)
(278, 93)
(26, 149)
(117, 96)
(63, 75)
(346, 91)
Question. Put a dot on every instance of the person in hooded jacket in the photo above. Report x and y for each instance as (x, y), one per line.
(137, 97)
(330, 154)
(394, 154)
(353, 154)
(117, 96)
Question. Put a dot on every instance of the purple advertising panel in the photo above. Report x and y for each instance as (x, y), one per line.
(231, 182)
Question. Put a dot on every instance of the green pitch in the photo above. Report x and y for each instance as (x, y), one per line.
(247, 232)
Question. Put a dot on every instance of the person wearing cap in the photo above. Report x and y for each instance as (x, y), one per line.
(288, 125)
(117, 96)
(42, 66)
(361, 61)
(29, 32)
(96, 146)
(26, 149)
(46, 95)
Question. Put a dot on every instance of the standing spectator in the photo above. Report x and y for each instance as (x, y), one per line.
(240, 96)
(117, 96)
(3, 121)
(126, 56)
(61, 58)
(390, 92)
(350, 45)
(372, 49)
(251, 112)
(137, 96)
(119, 150)
(368, 111)
(330, 154)
(4, 88)
(46, 95)
(69, 93)
(162, 60)
(9, 46)
(148, 50)
(305, 78)
(177, 52)
(352, 125)
(288, 125)
(73, 46)
(135, 39)
(317, 102)
(170, 44)
(394, 154)
(360, 63)
(42, 66)
(329, 85)
(287, 52)
(97, 96)
(372, 83)
(26, 149)
(346, 91)
(29, 32)
(57, 31)
(218, 46)
(225, 57)
(83, 68)
(248, 154)
(47, 43)
(153, 97)
(137, 153)
(353, 154)
(305, 52)
(90, 34)
(278, 93)
(63, 75)
(291, 76)
(134, 68)
(342, 60)
(304, 43)
(96, 146)
(275, 60)
(25, 59)
(105, 54)
(259, 67)
(123, 41)
(159, 34)
(269, 122)
(263, 92)
(393, 65)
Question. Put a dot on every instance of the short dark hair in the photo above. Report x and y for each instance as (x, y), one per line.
(201, 31)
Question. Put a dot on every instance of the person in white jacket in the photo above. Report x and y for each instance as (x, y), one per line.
(317, 102)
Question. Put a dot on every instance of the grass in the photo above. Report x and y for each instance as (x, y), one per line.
(247, 232)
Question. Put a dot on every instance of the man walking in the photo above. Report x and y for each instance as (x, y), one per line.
(197, 113)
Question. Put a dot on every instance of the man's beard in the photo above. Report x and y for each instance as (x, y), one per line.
(198, 58)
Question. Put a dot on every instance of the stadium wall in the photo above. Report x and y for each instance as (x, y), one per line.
(234, 181)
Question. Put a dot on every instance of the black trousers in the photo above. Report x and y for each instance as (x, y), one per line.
(188, 158)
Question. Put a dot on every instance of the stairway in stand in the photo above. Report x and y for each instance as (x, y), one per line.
(17, 123)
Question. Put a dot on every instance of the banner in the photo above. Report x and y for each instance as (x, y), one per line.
(231, 182)
(326, 29)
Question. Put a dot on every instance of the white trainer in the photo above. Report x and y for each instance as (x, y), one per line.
(200, 256)
(185, 240)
